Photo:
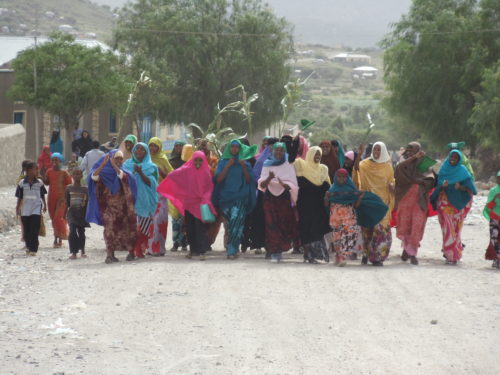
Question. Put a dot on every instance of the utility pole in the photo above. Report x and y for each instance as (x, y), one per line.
(35, 80)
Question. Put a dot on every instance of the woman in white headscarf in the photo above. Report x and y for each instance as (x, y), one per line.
(376, 175)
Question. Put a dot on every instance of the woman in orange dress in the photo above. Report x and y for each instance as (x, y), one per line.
(57, 180)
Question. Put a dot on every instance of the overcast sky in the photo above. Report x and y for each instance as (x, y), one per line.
(356, 23)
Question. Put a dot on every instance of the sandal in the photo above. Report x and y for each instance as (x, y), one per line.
(130, 257)
(404, 256)
(108, 260)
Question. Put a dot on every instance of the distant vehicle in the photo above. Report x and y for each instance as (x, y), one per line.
(319, 61)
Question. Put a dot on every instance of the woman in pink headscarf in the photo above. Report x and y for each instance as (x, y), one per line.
(188, 188)
(303, 148)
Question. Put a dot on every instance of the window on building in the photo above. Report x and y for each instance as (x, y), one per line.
(19, 118)
(112, 122)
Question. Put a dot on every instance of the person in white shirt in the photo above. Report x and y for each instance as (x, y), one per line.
(91, 158)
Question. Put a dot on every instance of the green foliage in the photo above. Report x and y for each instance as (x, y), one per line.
(434, 62)
(71, 78)
(209, 47)
(486, 113)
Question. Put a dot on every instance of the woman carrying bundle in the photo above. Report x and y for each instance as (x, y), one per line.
(314, 182)
(453, 199)
(146, 175)
(376, 175)
(188, 189)
(350, 208)
(279, 184)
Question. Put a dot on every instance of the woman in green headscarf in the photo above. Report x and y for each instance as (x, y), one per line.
(235, 190)
(127, 145)
(492, 213)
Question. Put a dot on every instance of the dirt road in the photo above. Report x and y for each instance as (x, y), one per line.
(171, 315)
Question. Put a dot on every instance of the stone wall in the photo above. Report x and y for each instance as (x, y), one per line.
(12, 141)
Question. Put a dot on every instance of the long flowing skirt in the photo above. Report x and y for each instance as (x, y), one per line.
(451, 220)
(178, 234)
(57, 210)
(493, 251)
(345, 230)
(235, 216)
(118, 217)
(281, 223)
(196, 234)
(377, 242)
(411, 221)
(156, 243)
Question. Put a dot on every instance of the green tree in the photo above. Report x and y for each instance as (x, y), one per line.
(429, 70)
(71, 79)
(209, 47)
(486, 113)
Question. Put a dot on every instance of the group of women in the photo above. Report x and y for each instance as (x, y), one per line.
(315, 200)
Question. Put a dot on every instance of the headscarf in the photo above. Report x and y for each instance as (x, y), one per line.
(283, 171)
(187, 152)
(331, 160)
(56, 143)
(187, 188)
(292, 146)
(147, 198)
(160, 158)
(111, 180)
(491, 196)
(272, 161)
(406, 175)
(303, 147)
(234, 187)
(384, 154)
(84, 145)
(454, 174)
(371, 210)
(44, 159)
(316, 173)
(58, 156)
(350, 155)
(340, 151)
(175, 158)
(246, 152)
(126, 153)
(465, 161)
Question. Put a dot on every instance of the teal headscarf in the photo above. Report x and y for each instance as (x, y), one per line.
(147, 197)
(454, 174)
(371, 210)
(246, 152)
(272, 161)
(58, 156)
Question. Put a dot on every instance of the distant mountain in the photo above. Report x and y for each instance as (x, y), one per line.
(355, 23)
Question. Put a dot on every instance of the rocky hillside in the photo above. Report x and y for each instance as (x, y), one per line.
(79, 17)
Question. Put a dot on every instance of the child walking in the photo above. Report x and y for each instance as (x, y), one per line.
(30, 195)
(76, 197)
(57, 180)
(492, 213)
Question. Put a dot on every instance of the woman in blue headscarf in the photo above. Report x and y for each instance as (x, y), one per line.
(112, 193)
(453, 199)
(278, 181)
(234, 193)
(146, 175)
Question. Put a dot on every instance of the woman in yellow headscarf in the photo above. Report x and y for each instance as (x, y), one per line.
(376, 175)
(156, 243)
(314, 182)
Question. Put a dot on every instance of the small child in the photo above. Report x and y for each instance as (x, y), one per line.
(492, 213)
(73, 163)
(31, 202)
(76, 206)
